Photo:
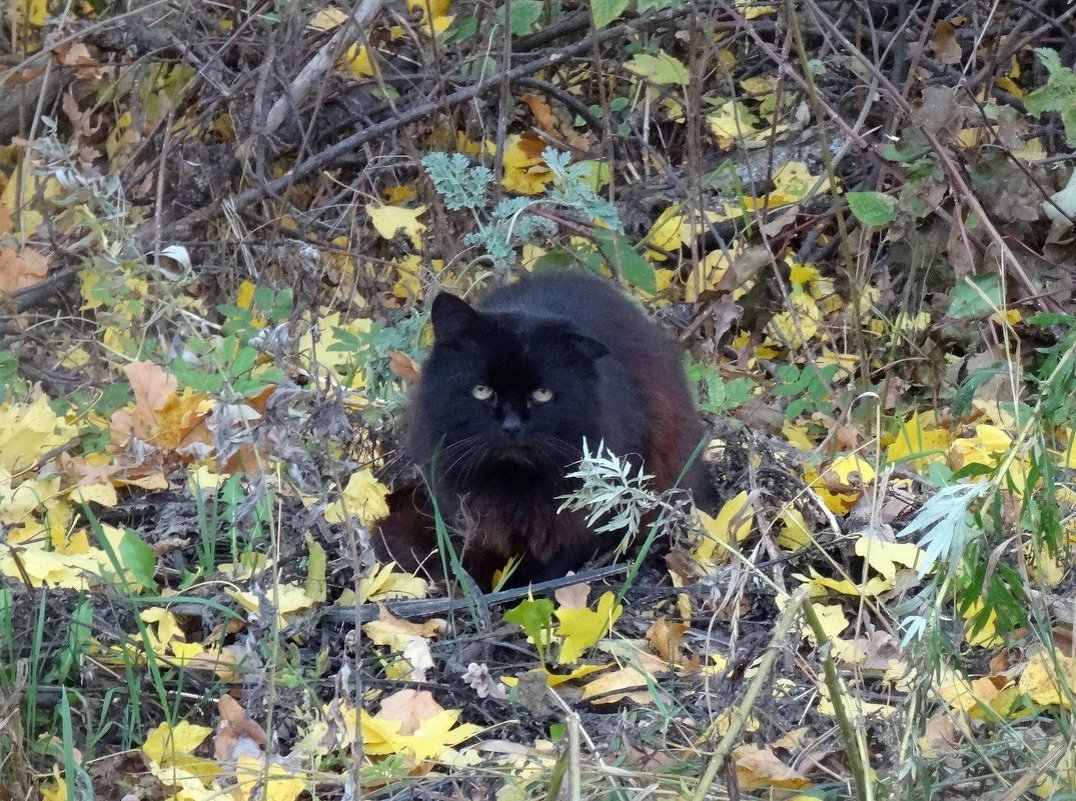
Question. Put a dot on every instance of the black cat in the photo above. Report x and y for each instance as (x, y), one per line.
(506, 398)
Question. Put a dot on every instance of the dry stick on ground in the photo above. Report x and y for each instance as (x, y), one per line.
(327, 157)
(320, 63)
(437, 606)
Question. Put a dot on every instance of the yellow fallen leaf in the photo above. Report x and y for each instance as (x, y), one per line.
(885, 557)
(358, 62)
(1049, 678)
(437, 733)
(732, 525)
(792, 182)
(556, 679)
(986, 636)
(797, 436)
(832, 619)
(731, 123)
(582, 628)
(387, 584)
(327, 18)
(18, 502)
(525, 171)
(793, 329)
(288, 597)
(258, 781)
(165, 744)
(618, 685)
(422, 726)
(390, 220)
(165, 624)
(364, 496)
(396, 633)
(792, 533)
(818, 585)
(963, 694)
(752, 9)
(29, 431)
(102, 493)
(858, 709)
(919, 443)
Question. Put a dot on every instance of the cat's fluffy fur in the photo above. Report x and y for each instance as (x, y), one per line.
(506, 398)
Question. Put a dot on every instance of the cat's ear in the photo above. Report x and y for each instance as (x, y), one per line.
(452, 317)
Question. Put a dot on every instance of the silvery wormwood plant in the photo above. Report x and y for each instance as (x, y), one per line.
(615, 496)
(463, 186)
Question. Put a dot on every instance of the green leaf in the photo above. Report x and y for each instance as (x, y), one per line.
(618, 252)
(525, 15)
(659, 69)
(555, 260)
(872, 208)
(657, 5)
(195, 377)
(534, 616)
(968, 297)
(1057, 94)
(606, 11)
(1050, 59)
(138, 558)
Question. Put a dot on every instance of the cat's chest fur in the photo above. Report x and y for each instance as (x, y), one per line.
(510, 392)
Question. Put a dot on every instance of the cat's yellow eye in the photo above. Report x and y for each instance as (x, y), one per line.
(482, 392)
(542, 395)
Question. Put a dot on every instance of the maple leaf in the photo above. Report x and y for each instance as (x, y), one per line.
(18, 271)
(170, 751)
(386, 583)
(422, 726)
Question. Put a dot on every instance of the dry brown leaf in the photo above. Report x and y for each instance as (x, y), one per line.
(944, 44)
(941, 736)
(543, 114)
(20, 270)
(759, 767)
(403, 366)
(574, 596)
(531, 145)
(151, 385)
(234, 726)
(665, 637)
(77, 55)
(410, 708)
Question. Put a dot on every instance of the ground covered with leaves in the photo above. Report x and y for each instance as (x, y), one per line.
(220, 229)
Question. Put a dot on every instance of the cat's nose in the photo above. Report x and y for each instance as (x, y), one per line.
(512, 424)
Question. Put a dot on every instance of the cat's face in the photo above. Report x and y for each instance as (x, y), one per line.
(507, 397)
